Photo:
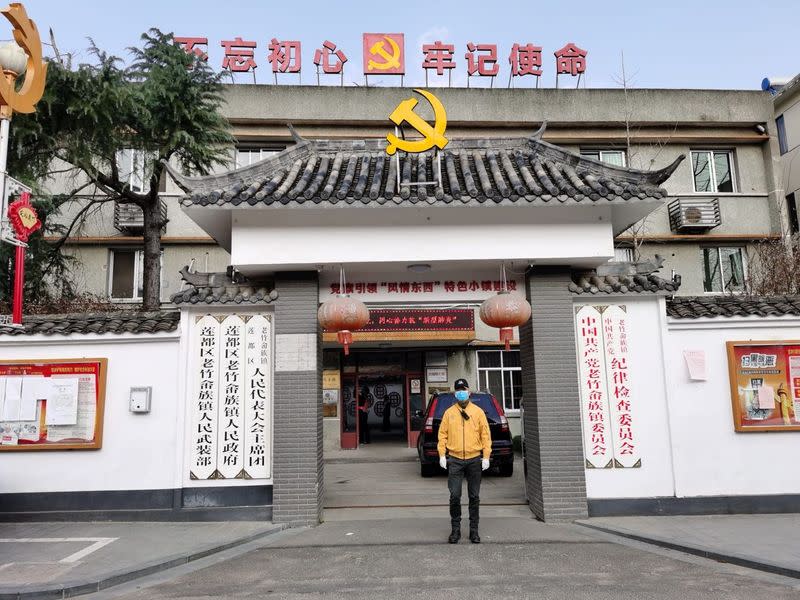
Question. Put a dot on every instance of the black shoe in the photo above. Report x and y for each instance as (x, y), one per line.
(474, 537)
(455, 535)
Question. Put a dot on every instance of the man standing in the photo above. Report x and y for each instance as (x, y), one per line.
(465, 444)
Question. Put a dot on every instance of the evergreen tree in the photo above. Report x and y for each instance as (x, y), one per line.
(165, 105)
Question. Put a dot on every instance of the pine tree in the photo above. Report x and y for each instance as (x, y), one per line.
(165, 104)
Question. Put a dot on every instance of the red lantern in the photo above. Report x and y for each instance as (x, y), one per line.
(341, 314)
(506, 311)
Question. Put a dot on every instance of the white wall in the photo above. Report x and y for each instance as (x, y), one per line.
(710, 457)
(140, 451)
(649, 407)
(273, 239)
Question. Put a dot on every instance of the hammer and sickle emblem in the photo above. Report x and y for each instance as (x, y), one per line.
(433, 135)
(27, 36)
(390, 61)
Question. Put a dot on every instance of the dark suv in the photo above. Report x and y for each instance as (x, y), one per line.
(502, 450)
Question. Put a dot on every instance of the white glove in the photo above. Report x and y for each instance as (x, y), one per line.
(443, 462)
(484, 464)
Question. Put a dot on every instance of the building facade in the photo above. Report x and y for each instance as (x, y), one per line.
(787, 125)
(721, 200)
(248, 394)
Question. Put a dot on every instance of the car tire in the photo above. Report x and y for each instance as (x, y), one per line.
(506, 470)
(427, 470)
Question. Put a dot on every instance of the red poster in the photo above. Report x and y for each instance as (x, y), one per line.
(55, 404)
(765, 385)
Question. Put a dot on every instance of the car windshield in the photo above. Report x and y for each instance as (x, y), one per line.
(445, 401)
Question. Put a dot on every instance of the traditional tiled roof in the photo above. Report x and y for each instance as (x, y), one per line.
(96, 323)
(219, 288)
(473, 172)
(592, 283)
(732, 306)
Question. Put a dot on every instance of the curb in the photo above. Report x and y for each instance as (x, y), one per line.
(77, 588)
(733, 559)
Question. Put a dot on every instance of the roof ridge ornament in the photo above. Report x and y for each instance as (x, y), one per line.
(295, 136)
(537, 135)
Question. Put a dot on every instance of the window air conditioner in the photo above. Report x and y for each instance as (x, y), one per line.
(128, 218)
(693, 214)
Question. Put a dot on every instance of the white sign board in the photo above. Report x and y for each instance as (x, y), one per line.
(231, 398)
(609, 435)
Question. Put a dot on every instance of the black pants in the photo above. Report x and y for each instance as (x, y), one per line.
(363, 426)
(457, 470)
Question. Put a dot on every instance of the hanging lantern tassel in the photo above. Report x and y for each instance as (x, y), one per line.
(345, 338)
(343, 314)
(505, 311)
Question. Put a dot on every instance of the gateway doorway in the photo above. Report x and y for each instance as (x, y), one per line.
(382, 398)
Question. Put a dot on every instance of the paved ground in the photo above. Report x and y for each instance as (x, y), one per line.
(54, 556)
(356, 484)
(770, 542)
(405, 557)
(384, 535)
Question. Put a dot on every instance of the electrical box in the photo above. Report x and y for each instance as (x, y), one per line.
(140, 399)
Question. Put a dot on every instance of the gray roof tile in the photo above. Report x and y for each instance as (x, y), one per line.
(592, 283)
(96, 323)
(474, 172)
(687, 307)
(218, 288)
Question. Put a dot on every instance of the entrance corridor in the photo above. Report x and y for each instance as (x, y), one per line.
(387, 477)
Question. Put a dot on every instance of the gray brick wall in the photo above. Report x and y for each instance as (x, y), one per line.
(297, 452)
(555, 483)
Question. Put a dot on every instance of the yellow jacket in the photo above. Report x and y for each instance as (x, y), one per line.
(462, 438)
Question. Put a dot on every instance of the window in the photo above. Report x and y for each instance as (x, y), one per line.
(723, 270)
(249, 155)
(125, 274)
(612, 157)
(132, 166)
(623, 254)
(782, 143)
(500, 374)
(791, 208)
(712, 170)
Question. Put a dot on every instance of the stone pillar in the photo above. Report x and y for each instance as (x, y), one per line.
(297, 426)
(555, 483)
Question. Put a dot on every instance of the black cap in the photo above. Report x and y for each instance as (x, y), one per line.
(461, 384)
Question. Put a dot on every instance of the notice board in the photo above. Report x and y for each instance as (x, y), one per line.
(765, 385)
(52, 404)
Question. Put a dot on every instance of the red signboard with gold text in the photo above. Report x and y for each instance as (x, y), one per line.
(765, 385)
(422, 319)
(52, 404)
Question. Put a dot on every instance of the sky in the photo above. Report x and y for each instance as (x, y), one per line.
(710, 44)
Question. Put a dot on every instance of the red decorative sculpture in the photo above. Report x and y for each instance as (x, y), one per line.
(343, 314)
(505, 311)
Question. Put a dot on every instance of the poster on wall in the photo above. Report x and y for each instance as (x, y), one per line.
(609, 435)
(52, 404)
(231, 402)
(765, 385)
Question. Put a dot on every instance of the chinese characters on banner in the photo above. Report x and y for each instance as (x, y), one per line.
(230, 405)
(385, 54)
(609, 433)
(765, 385)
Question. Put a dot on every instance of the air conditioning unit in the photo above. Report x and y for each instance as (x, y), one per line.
(128, 218)
(693, 214)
